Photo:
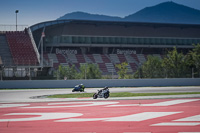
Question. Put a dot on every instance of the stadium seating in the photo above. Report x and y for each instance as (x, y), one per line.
(110, 67)
(72, 58)
(122, 58)
(53, 57)
(90, 57)
(61, 58)
(114, 58)
(80, 58)
(141, 58)
(105, 62)
(103, 67)
(97, 58)
(105, 58)
(21, 48)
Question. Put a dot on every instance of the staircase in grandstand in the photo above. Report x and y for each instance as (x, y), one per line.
(5, 54)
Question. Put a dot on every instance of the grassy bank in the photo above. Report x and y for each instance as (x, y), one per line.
(120, 94)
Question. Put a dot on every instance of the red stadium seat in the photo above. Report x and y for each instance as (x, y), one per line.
(21, 48)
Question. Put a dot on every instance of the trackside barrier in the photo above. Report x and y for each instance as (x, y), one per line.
(100, 83)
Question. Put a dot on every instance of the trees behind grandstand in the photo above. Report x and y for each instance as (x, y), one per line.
(122, 70)
(66, 72)
(173, 65)
(87, 71)
(152, 68)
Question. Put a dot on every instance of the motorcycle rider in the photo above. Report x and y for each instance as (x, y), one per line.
(105, 88)
(82, 86)
(103, 93)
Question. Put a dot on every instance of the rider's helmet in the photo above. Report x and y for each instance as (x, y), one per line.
(80, 85)
(106, 87)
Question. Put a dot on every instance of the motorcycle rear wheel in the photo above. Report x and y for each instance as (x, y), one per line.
(95, 96)
(106, 95)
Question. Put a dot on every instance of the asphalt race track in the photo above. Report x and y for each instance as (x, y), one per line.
(19, 113)
(119, 116)
(7, 96)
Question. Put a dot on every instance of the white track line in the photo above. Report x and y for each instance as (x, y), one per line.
(12, 105)
(188, 132)
(177, 124)
(142, 116)
(137, 132)
(166, 103)
(192, 118)
(134, 117)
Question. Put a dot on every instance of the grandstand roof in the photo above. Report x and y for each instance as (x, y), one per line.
(116, 33)
(122, 23)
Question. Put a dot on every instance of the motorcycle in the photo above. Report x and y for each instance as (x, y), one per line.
(104, 93)
(78, 88)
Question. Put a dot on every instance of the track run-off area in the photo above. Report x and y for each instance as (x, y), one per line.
(107, 116)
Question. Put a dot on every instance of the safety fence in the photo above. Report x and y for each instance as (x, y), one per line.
(100, 83)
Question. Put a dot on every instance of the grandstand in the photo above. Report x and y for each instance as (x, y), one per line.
(74, 42)
(18, 54)
(106, 43)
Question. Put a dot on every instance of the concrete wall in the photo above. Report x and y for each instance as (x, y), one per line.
(100, 83)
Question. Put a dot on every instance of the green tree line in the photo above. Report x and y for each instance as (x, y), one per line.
(173, 65)
(87, 71)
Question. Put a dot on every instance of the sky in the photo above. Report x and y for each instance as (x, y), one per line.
(35, 11)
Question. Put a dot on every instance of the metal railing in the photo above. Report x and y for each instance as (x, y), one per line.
(34, 45)
(6, 27)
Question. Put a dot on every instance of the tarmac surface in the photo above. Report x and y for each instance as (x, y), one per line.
(118, 116)
(37, 95)
(30, 111)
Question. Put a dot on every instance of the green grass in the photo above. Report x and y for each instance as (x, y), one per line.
(32, 88)
(120, 94)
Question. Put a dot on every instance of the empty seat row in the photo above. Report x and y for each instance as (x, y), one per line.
(21, 48)
(106, 62)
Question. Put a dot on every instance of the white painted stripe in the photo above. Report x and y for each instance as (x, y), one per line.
(142, 116)
(176, 124)
(123, 105)
(166, 103)
(135, 117)
(81, 119)
(40, 116)
(172, 102)
(188, 132)
(192, 118)
(79, 104)
(83, 132)
(12, 105)
(136, 132)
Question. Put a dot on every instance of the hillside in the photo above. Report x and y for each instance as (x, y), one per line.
(87, 16)
(167, 12)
